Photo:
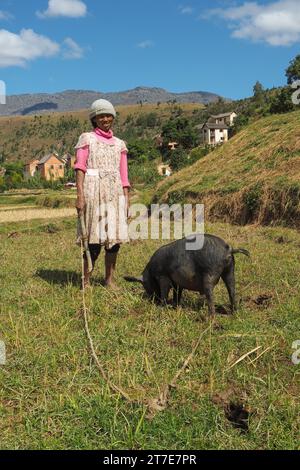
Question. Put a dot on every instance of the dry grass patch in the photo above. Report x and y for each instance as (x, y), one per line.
(30, 214)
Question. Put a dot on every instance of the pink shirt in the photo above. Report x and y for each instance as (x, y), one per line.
(82, 156)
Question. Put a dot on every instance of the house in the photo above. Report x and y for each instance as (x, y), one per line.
(225, 118)
(212, 133)
(31, 168)
(164, 169)
(215, 130)
(51, 167)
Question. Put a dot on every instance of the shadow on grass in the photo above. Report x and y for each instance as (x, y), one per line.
(65, 278)
(56, 276)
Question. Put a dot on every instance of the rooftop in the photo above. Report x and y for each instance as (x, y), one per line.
(222, 115)
(47, 157)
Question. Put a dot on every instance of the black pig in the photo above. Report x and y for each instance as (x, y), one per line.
(177, 266)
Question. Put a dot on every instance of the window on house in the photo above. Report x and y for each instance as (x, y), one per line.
(52, 167)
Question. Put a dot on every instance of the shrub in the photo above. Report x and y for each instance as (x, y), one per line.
(252, 199)
(142, 150)
(197, 153)
(282, 103)
(178, 159)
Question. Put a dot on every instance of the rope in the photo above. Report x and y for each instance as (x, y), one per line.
(99, 366)
(154, 405)
(161, 402)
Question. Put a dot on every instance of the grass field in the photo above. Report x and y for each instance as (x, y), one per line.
(51, 394)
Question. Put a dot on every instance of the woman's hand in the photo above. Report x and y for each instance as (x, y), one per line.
(80, 202)
(80, 205)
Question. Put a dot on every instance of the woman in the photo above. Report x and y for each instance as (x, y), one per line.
(102, 188)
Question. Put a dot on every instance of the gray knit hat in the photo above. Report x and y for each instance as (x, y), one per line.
(102, 107)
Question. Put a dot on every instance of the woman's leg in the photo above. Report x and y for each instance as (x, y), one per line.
(110, 265)
(95, 252)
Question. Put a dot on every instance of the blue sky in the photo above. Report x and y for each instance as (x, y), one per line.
(221, 46)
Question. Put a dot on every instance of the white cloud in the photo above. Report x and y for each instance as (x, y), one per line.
(277, 23)
(69, 8)
(73, 50)
(185, 10)
(145, 44)
(4, 15)
(18, 49)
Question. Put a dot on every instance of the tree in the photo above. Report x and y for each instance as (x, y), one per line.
(293, 71)
(240, 121)
(258, 92)
(282, 103)
(142, 150)
(178, 159)
(13, 168)
(148, 120)
(179, 130)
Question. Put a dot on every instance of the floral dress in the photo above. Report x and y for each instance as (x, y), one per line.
(105, 211)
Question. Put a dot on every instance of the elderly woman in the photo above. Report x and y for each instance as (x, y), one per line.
(102, 188)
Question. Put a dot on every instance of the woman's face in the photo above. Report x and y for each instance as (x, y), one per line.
(104, 121)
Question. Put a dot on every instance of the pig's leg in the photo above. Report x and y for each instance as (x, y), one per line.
(177, 292)
(208, 286)
(165, 286)
(229, 281)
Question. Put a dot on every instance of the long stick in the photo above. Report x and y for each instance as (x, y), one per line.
(99, 366)
(85, 243)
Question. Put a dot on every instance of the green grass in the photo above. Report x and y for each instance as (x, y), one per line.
(42, 198)
(51, 395)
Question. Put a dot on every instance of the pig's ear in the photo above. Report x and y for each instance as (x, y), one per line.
(134, 279)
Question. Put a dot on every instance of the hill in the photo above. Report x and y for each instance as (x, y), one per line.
(74, 100)
(253, 178)
(25, 137)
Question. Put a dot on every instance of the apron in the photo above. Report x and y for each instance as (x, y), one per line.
(105, 211)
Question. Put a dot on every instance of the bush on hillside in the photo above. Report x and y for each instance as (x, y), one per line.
(293, 71)
(198, 152)
(149, 120)
(180, 130)
(142, 150)
(282, 102)
(146, 174)
(179, 158)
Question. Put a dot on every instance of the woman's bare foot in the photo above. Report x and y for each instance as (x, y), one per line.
(111, 285)
(85, 283)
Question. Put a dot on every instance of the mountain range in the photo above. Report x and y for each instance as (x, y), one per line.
(74, 100)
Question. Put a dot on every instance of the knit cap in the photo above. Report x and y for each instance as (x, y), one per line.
(102, 107)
